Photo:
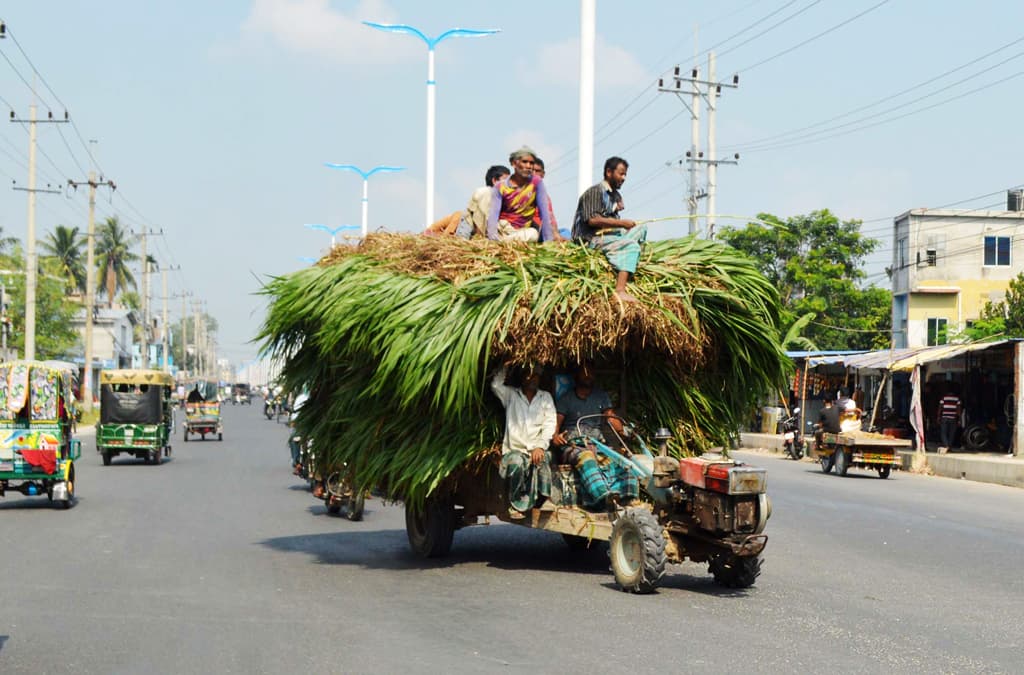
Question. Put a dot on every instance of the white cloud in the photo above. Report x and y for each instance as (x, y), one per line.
(313, 28)
(559, 64)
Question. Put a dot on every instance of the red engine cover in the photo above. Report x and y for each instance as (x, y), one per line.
(692, 470)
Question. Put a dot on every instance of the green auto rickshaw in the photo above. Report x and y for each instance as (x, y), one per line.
(135, 415)
(37, 411)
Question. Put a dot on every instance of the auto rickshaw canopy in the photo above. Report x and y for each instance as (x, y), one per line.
(45, 389)
(137, 376)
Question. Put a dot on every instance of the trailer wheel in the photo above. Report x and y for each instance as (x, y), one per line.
(734, 572)
(842, 462)
(431, 528)
(107, 458)
(69, 501)
(827, 462)
(883, 472)
(186, 435)
(637, 550)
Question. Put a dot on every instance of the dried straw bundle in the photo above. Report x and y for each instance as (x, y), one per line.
(395, 339)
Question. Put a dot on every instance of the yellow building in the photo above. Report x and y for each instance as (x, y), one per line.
(947, 264)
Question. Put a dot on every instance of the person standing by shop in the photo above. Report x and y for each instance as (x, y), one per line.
(949, 417)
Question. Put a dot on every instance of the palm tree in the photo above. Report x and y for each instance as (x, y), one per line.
(6, 242)
(65, 244)
(114, 255)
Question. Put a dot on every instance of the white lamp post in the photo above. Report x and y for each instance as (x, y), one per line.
(431, 84)
(366, 182)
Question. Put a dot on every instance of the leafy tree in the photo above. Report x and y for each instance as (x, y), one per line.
(7, 244)
(56, 336)
(1004, 318)
(65, 244)
(114, 255)
(815, 262)
(187, 361)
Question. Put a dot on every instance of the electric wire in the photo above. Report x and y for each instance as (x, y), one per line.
(813, 38)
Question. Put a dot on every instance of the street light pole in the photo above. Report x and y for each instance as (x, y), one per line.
(431, 89)
(366, 182)
(333, 231)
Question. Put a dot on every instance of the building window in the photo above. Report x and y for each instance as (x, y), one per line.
(997, 251)
(901, 253)
(932, 257)
(936, 332)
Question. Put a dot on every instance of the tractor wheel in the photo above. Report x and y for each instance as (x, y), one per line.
(842, 462)
(186, 436)
(827, 462)
(430, 528)
(107, 458)
(637, 551)
(354, 510)
(220, 437)
(154, 456)
(884, 471)
(733, 572)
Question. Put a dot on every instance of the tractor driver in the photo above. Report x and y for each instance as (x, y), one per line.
(600, 478)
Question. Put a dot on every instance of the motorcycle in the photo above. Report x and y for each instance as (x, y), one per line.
(793, 438)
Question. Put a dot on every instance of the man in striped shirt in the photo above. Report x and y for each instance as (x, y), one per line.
(598, 224)
(949, 417)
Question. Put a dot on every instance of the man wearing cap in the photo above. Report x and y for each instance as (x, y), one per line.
(598, 224)
(516, 200)
(529, 426)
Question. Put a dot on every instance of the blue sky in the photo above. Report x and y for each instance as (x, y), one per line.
(215, 119)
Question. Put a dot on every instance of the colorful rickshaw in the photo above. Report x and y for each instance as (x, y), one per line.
(202, 410)
(37, 451)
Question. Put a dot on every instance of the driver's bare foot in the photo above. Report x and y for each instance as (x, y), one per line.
(624, 296)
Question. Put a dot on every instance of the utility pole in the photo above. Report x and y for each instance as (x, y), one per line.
(145, 295)
(31, 265)
(694, 156)
(184, 329)
(164, 327)
(196, 363)
(90, 283)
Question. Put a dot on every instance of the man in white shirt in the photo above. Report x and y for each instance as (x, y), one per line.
(530, 420)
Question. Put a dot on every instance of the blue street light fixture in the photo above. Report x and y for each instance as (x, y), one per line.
(366, 182)
(333, 231)
(431, 85)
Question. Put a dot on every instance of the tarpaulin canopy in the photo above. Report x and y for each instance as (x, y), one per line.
(939, 353)
(130, 407)
(823, 358)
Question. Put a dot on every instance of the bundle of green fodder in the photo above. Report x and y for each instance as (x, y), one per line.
(395, 340)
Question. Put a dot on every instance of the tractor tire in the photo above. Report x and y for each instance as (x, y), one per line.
(637, 551)
(884, 471)
(842, 463)
(431, 528)
(107, 458)
(186, 437)
(733, 572)
(827, 462)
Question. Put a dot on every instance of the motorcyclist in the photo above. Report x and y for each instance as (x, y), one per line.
(294, 444)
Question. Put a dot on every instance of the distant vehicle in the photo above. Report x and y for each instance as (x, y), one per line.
(135, 415)
(242, 394)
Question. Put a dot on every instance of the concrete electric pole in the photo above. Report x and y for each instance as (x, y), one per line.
(694, 156)
(31, 264)
(90, 284)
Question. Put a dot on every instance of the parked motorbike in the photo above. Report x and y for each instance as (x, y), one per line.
(793, 438)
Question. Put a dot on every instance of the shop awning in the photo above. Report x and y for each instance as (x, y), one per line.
(940, 353)
(822, 358)
(880, 360)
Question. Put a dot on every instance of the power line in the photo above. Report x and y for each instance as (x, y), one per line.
(769, 28)
(813, 38)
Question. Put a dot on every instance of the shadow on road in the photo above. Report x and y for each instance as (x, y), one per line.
(502, 547)
(3, 641)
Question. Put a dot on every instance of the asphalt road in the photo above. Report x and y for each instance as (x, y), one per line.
(219, 561)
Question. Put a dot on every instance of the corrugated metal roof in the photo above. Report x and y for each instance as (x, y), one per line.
(941, 352)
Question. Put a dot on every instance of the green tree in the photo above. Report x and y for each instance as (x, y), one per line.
(56, 336)
(1005, 319)
(815, 262)
(181, 359)
(114, 255)
(65, 244)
